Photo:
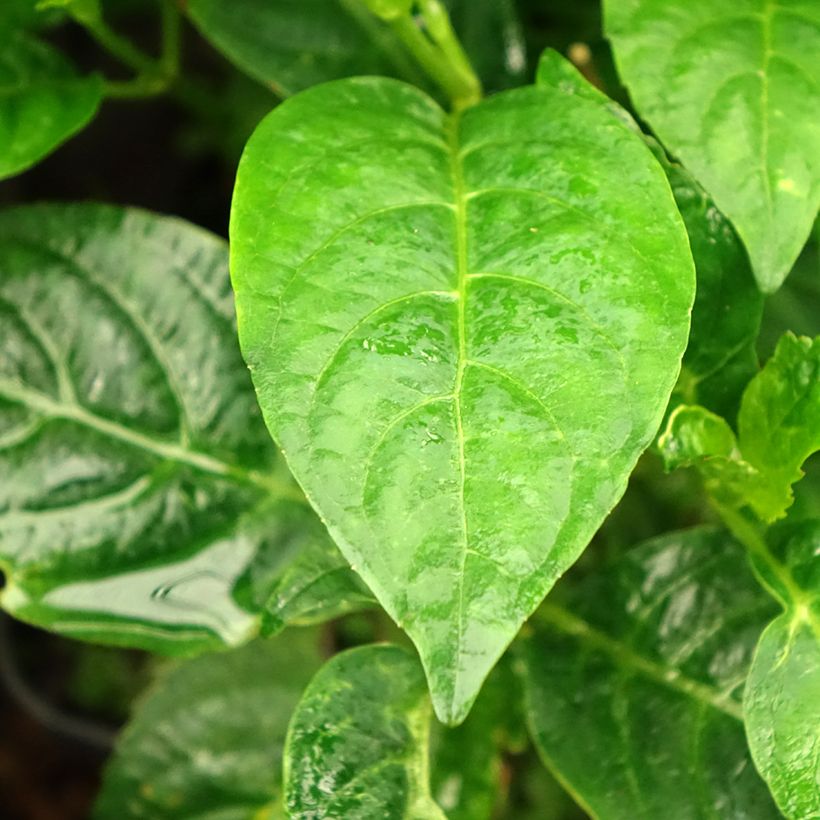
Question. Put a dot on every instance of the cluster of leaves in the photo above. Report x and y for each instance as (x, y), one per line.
(463, 328)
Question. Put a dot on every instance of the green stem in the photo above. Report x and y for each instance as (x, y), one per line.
(440, 54)
(750, 534)
(154, 76)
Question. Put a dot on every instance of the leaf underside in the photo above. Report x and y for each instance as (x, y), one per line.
(463, 332)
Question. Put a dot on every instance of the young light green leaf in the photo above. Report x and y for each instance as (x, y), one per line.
(643, 663)
(206, 741)
(696, 437)
(42, 101)
(778, 429)
(138, 489)
(357, 744)
(782, 697)
(733, 94)
(779, 420)
(427, 304)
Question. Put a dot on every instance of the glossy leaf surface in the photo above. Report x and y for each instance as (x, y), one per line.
(427, 304)
(720, 357)
(207, 739)
(778, 429)
(733, 92)
(42, 101)
(782, 697)
(357, 744)
(633, 683)
(137, 486)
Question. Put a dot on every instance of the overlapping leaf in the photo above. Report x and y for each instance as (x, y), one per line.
(733, 92)
(782, 697)
(206, 741)
(720, 357)
(427, 304)
(778, 429)
(138, 503)
(633, 683)
(293, 45)
(360, 743)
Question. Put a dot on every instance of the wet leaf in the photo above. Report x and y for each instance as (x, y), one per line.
(206, 740)
(733, 92)
(139, 504)
(357, 744)
(782, 697)
(42, 101)
(427, 304)
(641, 665)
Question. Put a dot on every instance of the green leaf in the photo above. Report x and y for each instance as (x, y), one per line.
(427, 304)
(139, 504)
(466, 762)
(641, 666)
(778, 429)
(734, 95)
(207, 740)
(291, 45)
(357, 745)
(720, 357)
(42, 101)
(782, 697)
(779, 420)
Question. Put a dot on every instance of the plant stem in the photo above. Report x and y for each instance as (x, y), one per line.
(154, 76)
(440, 54)
(750, 535)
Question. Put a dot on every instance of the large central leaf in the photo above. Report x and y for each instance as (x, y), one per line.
(463, 331)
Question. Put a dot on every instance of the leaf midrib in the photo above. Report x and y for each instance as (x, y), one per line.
(41, 403)
(625, 656)
(460, 202)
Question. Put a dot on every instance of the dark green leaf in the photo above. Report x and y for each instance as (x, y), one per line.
(42, 101)
(292, 44)
(207, 740)
(357, 745)
(427, 304)
(138, 484)
(720, 358)
(633, 683)
(466, 762)
(733, 92)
